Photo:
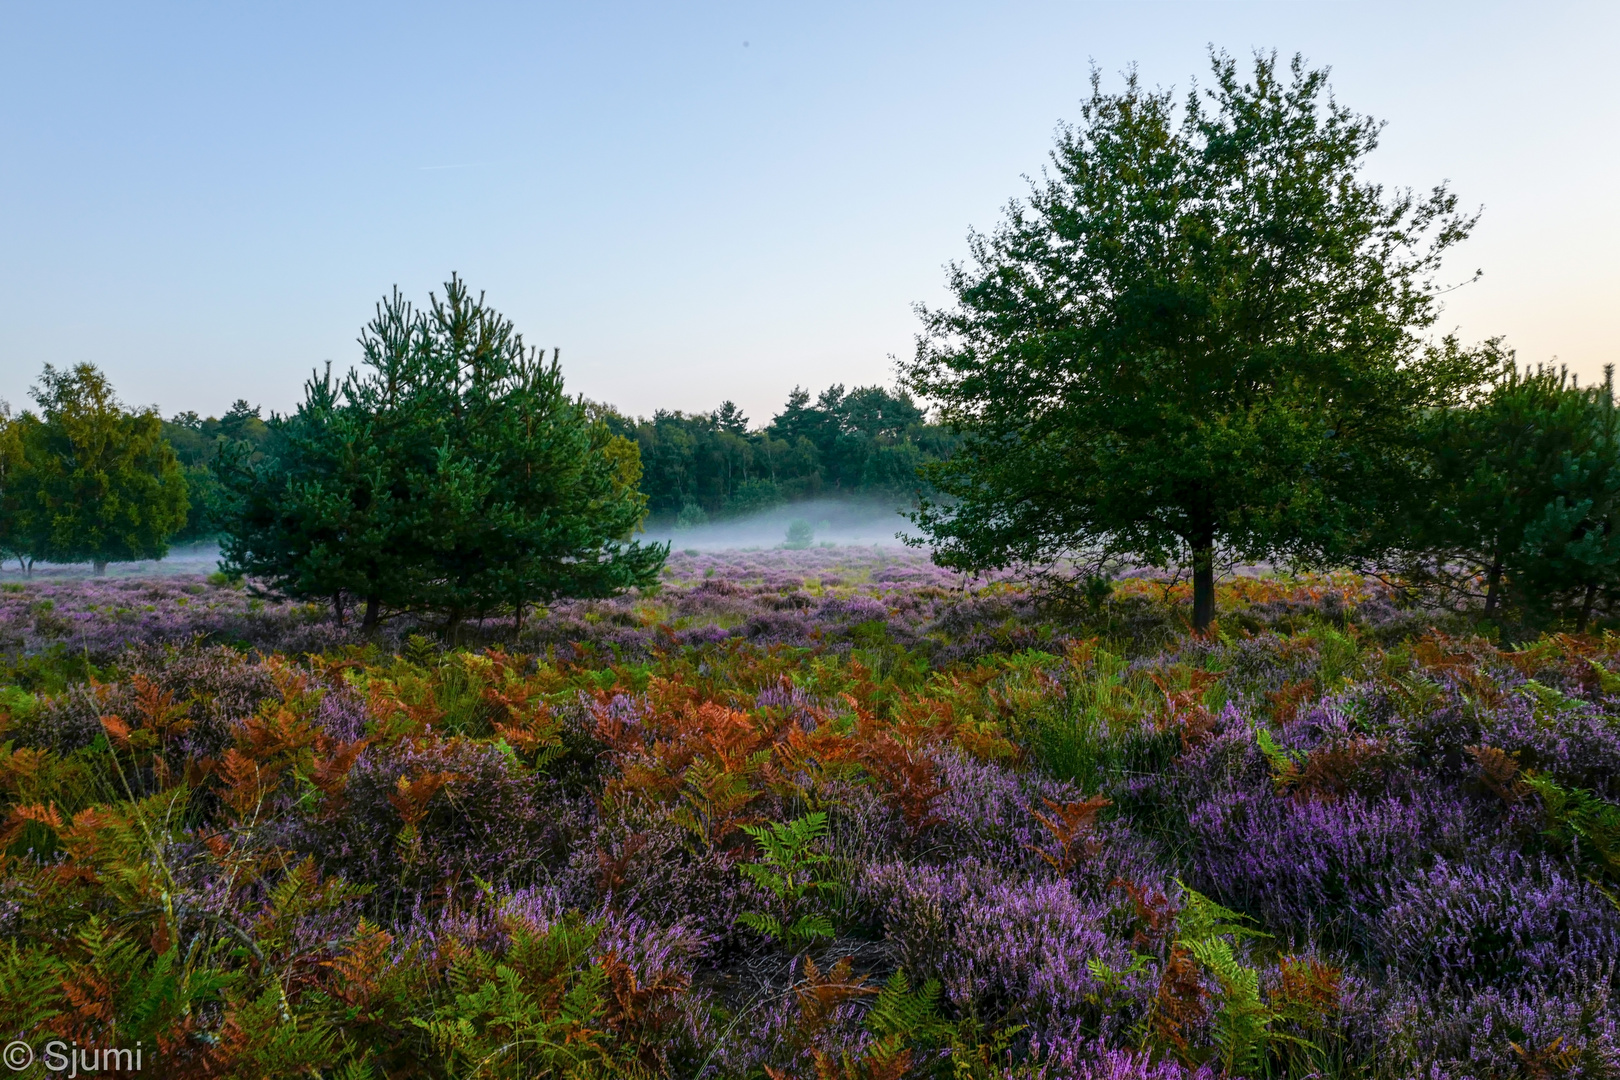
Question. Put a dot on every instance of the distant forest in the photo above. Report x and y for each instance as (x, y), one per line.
(865, 442)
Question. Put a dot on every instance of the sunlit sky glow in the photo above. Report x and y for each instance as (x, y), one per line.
(695, 202)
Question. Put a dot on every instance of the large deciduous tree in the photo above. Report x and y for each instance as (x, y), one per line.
(88, 480)
(450, 474)
(1200, 333)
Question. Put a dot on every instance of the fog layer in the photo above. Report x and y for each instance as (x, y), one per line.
(831, 521)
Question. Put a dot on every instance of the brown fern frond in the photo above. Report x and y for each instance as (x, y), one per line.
(820, 993)
(1180, 1006)
(1294, 695)
(1331, 771)
(20, 817)
(1307, 985)
(1550, 1062)
(1499, 771)
(1155, 912)
(1073, 826)
(358, 969)
(411, 796)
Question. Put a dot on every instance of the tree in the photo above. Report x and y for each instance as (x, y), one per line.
(1199, 334)
(452, 474)
(199, 442)
(94, 482)
(1523, 491)
(11, 545)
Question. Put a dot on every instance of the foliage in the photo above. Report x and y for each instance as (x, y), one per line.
(452, 475)
(1056, 856)
(199, 442)
(86, 480)
(786, 868)
(799, 535)
(863, 442)
(1199, 334)
(1523, 490)
(537, 1010)
(1580, 818)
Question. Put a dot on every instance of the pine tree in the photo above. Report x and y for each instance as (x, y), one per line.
(451, 474)
(1523, 493)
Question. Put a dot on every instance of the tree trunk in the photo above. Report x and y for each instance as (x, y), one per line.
(373, 614)
(100, 567)
(517, 622)
(1203, 586)
(1586, 608)
(337, 607)
(1493, 586)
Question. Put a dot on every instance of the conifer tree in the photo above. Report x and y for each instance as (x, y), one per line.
(451, 474)
(1523, 494)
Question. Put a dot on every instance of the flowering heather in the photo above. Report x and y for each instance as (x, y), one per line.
(832, 813)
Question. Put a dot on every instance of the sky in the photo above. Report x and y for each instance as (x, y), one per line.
(694, 202)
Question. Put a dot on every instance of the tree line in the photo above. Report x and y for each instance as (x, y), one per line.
(1203, 337)
(868, 441)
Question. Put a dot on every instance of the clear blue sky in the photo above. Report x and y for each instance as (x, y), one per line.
(695, 202)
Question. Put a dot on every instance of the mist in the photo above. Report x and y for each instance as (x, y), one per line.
(182, 559)
(867, 522)
(832, 521)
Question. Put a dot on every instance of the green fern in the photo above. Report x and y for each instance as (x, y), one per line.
(1550, 697)
(1111, 981)
(1284, 764)
(356, 1070)
(30, 987)
(901, 1019)
(787, 868)
(1203, 918)
(1244, 1024)
(1608, 681)
(539, 1010)
(1579, 817)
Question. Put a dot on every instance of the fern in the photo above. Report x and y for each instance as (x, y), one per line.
(901, 1019)
(1608, 681)
(539, 1010)
(30, 988)
(1285, 766)
(1203, 918)
(1551, 698)
(787, 869)
(1112, 981)
(1580, 818)
(1244, 1024)
(1242, 1021)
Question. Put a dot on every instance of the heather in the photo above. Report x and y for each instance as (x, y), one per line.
(826, 813)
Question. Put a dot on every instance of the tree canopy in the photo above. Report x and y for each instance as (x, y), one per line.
(1201, 333)
(198, 442)
(865, 442)
(87, 480)
(450, 474)
(1520, 495)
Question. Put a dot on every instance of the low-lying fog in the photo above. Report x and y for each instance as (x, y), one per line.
(187, 559)
(831, 521)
